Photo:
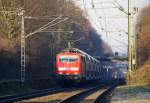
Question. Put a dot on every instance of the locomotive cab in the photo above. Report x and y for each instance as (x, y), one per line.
(74, 64)
(68, 65)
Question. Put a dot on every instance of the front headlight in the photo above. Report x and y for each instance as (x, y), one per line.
(74, 68)
(62, 68)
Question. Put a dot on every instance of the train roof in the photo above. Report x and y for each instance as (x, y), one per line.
(75, 50)
(104, 59)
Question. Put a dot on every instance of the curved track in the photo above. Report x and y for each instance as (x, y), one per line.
(96, 94)
(106, 96)
(79, 96)
(100, 94)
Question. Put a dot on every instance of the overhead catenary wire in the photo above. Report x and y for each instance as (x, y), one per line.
(97, 17)
(104, 17)
(121, 42)
(105, 21)
(89, 17)
(47, 26)
(115, 3)
(119, 47)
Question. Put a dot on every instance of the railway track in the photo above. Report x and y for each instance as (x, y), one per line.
(59, 97)
(80, 96)
(39, 93)
(54, 98)
(96, 94)
(106, 96)
(103, 95)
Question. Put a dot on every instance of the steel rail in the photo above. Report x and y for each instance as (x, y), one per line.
(107, 94)
(39, 93)
(80, 95)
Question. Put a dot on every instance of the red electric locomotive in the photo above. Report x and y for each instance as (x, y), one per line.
(68, 63)
(74, 64)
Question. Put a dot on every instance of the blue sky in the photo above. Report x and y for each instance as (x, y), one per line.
(110, 22)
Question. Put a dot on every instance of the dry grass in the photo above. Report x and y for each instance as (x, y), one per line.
(141, 76)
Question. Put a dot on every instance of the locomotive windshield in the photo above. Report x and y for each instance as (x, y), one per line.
(63, 59)
(68, 59)
(73, 59)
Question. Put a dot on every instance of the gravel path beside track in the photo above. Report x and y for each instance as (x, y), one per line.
(132, 94)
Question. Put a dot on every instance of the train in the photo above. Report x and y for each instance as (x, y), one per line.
(73, 64)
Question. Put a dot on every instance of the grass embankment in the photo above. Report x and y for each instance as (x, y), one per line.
(141, 76)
